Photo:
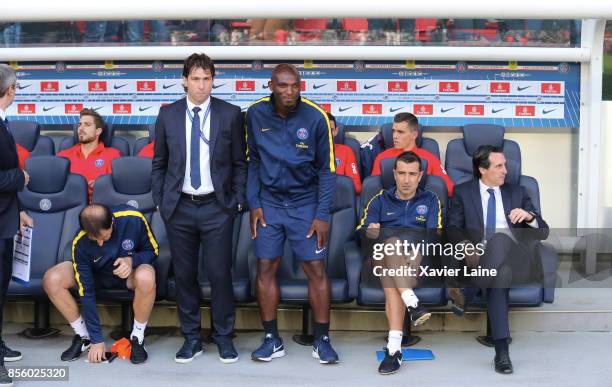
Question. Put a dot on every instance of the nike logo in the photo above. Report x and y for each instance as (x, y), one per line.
(390, 213)
(446, 110)
(318, 86)
(218, 86)
(46, 109)
(21, 87)
(419, 87)
(265, 85)
(68, 87)
(344, 109)
(97, 259)
(265, 129)
(142, 109)
(369, 86)
(317, 251)
(548, 111)
(277, 348)
(391, 110)
(98, 108)
(497, 110)
(119, 86)
(168, 86)
(522, 88)
(468, 88)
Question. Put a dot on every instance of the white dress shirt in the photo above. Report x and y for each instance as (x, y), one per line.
(2, 115)
(205, 177)
(501, 223)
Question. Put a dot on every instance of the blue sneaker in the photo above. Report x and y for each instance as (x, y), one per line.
(271, 348)
(323, 351)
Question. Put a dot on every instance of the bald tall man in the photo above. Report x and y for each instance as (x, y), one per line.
(290, 189)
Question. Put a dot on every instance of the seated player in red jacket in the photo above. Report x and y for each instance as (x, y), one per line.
(23, 155)
(405, 133)
(147, 150)
(346, 164)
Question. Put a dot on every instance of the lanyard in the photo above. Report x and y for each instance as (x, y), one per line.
(206, 113)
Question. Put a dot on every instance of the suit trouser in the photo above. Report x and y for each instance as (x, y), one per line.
(6, 271)
(207, 224)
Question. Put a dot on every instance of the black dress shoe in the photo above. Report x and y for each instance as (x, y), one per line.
(487, 341)
(503, 365)
(227, 351)
(189, 350)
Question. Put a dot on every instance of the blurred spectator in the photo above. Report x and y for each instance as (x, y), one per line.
(11, 34)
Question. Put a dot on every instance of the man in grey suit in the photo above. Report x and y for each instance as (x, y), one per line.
(199, 181)
(12, 180)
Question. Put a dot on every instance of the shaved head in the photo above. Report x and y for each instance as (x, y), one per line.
(285, 68)
(286, 86)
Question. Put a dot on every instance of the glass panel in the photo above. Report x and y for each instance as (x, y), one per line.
(607, 65)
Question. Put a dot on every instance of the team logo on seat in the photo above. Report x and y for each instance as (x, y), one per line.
(132, 203)
(45, 204)
(422, 209)
(127, 244)
(99, 163)
(302, 133)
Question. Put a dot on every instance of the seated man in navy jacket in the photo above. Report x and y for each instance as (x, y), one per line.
(114, 249)
(403, 212)
(501, 215)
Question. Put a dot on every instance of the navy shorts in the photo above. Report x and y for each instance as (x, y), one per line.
(106, 281)
(291, 224)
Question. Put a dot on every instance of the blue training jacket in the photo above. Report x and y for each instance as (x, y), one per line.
(131, 237)
(422, 211)
(291, 160)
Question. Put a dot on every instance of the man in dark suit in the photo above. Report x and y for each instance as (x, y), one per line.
(199, 181)
(12, 180)
(500, 215)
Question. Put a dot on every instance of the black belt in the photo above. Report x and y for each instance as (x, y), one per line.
(198, 198)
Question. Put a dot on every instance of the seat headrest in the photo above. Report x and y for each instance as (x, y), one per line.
(106, 136)
(339, 138)
(344, 197)
(513, 174)
(475, 135)
(387, 177)
(132, 175)
(386, 131)
(25, 133)
(48, 174)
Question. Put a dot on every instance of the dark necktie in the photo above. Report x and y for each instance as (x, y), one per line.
(194, 159)
(490, 227)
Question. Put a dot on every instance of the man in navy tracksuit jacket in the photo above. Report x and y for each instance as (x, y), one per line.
(403, 212)
(114, 249)
(290, 189)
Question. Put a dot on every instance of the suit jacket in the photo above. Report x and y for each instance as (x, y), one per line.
(228, 166)
(465, 217)
(12, 181)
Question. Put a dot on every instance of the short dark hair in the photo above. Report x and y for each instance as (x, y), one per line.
(98, 120)
(202, 61)
(481, 158)
(331, 117)
(409, 118)
(94, 218)
(408, 157)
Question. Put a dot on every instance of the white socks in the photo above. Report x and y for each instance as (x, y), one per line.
(394, 343)
(409, 298)
(80, 328)
(138, 330)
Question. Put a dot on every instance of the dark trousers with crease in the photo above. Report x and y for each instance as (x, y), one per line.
(204, 223)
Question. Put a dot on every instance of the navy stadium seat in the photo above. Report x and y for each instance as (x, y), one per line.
(426, 143)
(143, 141)
(27, 134)
(53, 198)
(343, 138)
(107, 137)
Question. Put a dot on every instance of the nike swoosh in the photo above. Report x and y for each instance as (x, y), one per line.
(497, 110)
(317, 251)
(277, 348)
(97, 259)
(20, 87)
(471, 87)
(369, 86)
(522, 88)
(98, 108)
(265, 86)
(391, 110)
(446, 110)
(419, 87)
(68, 87)
(318, 86)
(390, 213)
(218, 86)
(46, 109)
(548, 111)
(168, 86)
(119, 86)
(265, 129)
(344, 109)
(145, 108)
